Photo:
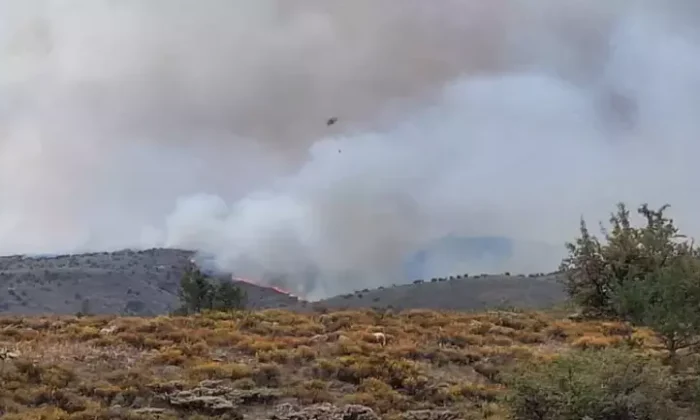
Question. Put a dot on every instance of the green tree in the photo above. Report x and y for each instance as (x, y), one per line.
(199, 293)
(196, 292)
(228, 297)
(667, 301)
(594, 269)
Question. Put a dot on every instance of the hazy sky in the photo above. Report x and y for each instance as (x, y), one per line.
(202, 125)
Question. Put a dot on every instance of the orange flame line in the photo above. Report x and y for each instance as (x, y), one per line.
(255, 283)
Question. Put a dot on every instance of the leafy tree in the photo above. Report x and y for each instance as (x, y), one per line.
(643, 275)
(199, 293)
(196, 291)
(229, 297)
(667, 301)
(594, 268)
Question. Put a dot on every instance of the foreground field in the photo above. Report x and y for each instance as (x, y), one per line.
(282, 365)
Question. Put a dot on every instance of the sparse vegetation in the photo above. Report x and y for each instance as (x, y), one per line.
(247, 362)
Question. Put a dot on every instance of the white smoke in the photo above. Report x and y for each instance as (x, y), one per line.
(203, 125)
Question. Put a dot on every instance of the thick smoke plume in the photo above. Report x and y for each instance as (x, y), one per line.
(203, 125)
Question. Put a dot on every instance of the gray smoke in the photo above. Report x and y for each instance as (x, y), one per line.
(202, 125)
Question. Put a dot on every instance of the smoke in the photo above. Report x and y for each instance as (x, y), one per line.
(175, 123)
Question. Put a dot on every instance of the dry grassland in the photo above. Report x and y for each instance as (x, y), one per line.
(259, 364)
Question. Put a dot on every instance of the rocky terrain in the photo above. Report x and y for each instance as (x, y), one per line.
(146, 282)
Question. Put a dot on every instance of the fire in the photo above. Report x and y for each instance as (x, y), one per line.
(275, 288)
(255, 283)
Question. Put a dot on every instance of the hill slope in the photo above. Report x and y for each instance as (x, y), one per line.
(111, 282)
(123, 282)
(472, 293)
(146, 283)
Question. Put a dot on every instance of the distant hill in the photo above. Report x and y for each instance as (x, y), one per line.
(470, 293)
(146, 283)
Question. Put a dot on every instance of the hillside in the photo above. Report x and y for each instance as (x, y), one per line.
(146, 283)
(472, 293)
(279, 365)
(122, 282)
(142, 282)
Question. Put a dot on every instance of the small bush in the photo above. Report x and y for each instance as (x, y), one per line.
(311, 392)
(268, 375)
(596, 342)
(213, 370)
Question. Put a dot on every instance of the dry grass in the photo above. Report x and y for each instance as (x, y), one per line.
(68, 369)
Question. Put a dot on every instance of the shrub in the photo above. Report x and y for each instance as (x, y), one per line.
(596, 341)
(268, 375)
(211, 370)
(311, 392)
(606, 384)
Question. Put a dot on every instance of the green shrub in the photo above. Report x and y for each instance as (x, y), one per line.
(609, 384)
